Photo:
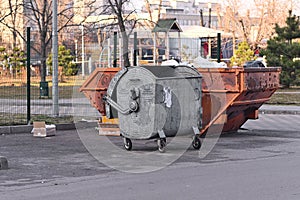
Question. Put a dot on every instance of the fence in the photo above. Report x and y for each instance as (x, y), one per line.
(72, 104)
(13, 101)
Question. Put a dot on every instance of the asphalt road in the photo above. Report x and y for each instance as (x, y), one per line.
(260, 162)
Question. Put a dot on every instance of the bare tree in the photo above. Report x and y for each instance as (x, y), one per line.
(38, 15)
(153, 18)
(10, 17)
(40, 18)
(269, 12)
(4, 10)
(256, 24)
(230, 18)
(125, 22)
(14, 7)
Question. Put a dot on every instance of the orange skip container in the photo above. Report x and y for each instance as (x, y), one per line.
(230, 96)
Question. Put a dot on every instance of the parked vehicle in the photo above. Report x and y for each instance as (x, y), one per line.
(254, 63)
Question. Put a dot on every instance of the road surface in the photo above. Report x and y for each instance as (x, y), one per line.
(260, 162)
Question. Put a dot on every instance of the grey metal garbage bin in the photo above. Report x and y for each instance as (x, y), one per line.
(156, 102)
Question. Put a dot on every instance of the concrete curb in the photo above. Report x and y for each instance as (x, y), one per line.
(5, 130)
(21, 129)
(279, 112)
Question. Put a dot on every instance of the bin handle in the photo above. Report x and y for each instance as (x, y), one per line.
(115, 105)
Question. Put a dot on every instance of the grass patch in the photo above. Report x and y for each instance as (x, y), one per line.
(16, 88)
(286, 96)
(285, 99)
(52, 120)
(20, 92)
(9, 119)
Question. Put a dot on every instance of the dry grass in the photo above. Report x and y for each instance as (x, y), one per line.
(16, 88)
(289, 97)
(9, 119)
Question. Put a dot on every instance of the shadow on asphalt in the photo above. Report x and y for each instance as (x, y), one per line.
(39, 160)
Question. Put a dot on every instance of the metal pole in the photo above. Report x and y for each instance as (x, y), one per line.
(154, 49)
(219, 48)
(168, 46)
(90, 65)
(109, 51)
(76, 51)
(55, 105)
(82, 50)
(209, 15)
(115, 48)
(135, 49)
(121, 53)
(100, 57)
(209, 48)
(179, 46)
(28, 75)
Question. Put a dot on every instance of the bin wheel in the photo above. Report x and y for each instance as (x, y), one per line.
(127, 144)
(196, 142)
(162, 143)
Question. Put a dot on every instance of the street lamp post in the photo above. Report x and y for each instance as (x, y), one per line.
(55, 105)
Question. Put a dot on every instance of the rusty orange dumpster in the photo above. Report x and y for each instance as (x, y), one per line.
(230, 96)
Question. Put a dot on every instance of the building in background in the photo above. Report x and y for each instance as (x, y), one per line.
(189, 12)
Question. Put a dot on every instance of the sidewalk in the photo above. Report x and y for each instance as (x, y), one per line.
(89, 111)
(279, 109)
(67, 107)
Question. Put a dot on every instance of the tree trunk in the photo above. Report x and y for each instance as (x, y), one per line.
(125, 50)
(15, 39)
(125, 41)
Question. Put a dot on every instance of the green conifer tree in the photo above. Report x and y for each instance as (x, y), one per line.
(284, 50)
(65, 60)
